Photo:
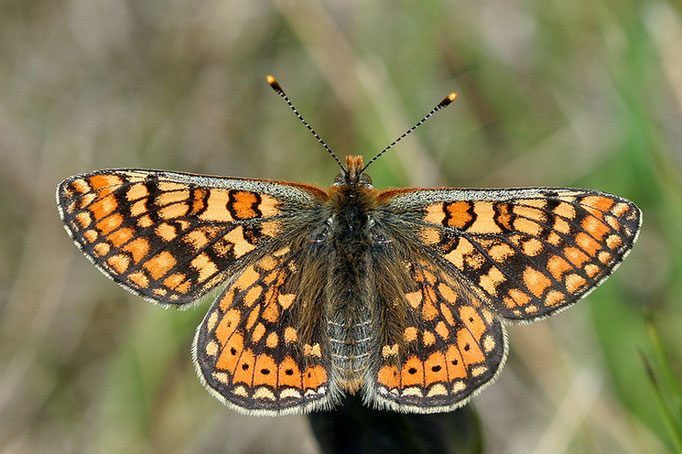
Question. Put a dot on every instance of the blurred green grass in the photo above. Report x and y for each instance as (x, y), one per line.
(551, 93)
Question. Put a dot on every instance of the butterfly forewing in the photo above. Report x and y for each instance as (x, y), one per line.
(527, 252)
(172, 237)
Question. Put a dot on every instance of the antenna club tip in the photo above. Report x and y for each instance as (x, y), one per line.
(270, 79)
(447, 100)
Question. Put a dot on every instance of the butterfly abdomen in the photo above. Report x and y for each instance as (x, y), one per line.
(349, 346)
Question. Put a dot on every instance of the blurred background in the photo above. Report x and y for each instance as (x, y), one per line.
(552, 93)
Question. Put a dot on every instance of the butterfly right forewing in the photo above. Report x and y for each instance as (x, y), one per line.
(527, 252)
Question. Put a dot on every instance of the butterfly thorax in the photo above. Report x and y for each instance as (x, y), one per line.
(349, 310)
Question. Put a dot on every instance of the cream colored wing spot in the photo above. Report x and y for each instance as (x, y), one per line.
(241, 245)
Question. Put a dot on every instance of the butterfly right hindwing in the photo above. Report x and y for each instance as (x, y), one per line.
(451, 346)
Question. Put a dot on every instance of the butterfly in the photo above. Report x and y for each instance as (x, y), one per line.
(401, 295)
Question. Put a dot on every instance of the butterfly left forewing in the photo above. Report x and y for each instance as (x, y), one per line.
(526, 252)
(171, 237)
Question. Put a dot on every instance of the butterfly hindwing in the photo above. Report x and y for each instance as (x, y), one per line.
(171, 237)
(527, 252)
(249, 348)
(452, 346)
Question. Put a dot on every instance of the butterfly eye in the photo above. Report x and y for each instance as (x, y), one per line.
(365, 180)
(339, 180)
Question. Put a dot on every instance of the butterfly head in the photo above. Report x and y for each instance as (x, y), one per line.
(353, 174)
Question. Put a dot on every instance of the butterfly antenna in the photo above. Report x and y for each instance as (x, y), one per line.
(275, 86)
(447, 100)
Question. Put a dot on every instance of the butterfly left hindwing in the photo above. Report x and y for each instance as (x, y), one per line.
(251, 350)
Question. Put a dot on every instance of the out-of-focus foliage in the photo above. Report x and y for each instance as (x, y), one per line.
(561, 93)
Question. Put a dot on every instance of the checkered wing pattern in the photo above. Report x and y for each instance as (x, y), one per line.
(526, 252)
(249, 349)
(451, 347)
(171, 237)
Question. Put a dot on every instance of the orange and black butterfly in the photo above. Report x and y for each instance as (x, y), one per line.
(399, 294)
